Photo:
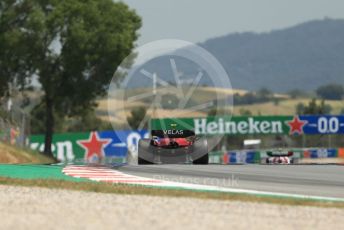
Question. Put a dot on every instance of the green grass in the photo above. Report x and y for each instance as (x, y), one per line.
(142, 190)
(33, 171)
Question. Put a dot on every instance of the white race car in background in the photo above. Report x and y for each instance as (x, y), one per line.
(279, 157)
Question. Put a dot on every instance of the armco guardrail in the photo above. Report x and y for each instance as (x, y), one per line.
(255, 156)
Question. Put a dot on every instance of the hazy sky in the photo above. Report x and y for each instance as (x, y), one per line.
(198, 20)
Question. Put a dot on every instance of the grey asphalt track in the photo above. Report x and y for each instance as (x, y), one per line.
(316, 180)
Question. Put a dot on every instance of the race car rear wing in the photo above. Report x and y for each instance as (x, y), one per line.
(279, 154)
(172, 133)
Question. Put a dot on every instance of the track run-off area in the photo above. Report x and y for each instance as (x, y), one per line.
(320, 182)
(297, 181)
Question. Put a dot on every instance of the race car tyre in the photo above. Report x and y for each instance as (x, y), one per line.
(204, 160)
(200, 151)
(142, 161)
(144, 152)
(294, 161)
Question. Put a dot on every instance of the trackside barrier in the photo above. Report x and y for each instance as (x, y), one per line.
(12, 133)
(255, 156)
(113, 147)
(92, 147)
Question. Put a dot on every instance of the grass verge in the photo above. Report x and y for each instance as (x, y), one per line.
(142, 190)
(12, 155)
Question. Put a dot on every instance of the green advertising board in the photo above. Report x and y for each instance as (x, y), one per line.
(241, 125)
(238, 125)
(64, 147)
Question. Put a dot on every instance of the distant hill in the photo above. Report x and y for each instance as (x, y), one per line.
(305, 56)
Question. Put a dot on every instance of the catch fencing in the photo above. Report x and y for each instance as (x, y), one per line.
(14, 126)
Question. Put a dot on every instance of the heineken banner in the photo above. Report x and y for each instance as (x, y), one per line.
(240, 125)
(90, 147)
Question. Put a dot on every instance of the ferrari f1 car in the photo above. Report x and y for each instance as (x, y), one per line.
(173, 147)
(279, 157)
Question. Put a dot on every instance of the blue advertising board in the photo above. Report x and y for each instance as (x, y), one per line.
(326, 124)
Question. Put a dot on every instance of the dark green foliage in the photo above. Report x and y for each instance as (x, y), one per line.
(296, 93)
(264, 94)
(246, 99)
(300, 108)
(331, 92)
(215, 111)
(313, 108)
(4, 114)
(245, 112)
(276, 101)
(94, 37)
(73, 46)
(137, 116)
(261, 96)
(212, 112)
(38, 120)
(15, 60)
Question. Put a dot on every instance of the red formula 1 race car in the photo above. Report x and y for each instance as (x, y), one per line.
(279, 157)
(173, 146)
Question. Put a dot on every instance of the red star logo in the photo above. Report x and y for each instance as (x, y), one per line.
(296, 125)
(94, 146)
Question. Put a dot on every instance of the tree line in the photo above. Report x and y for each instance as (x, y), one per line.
(71, 47)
